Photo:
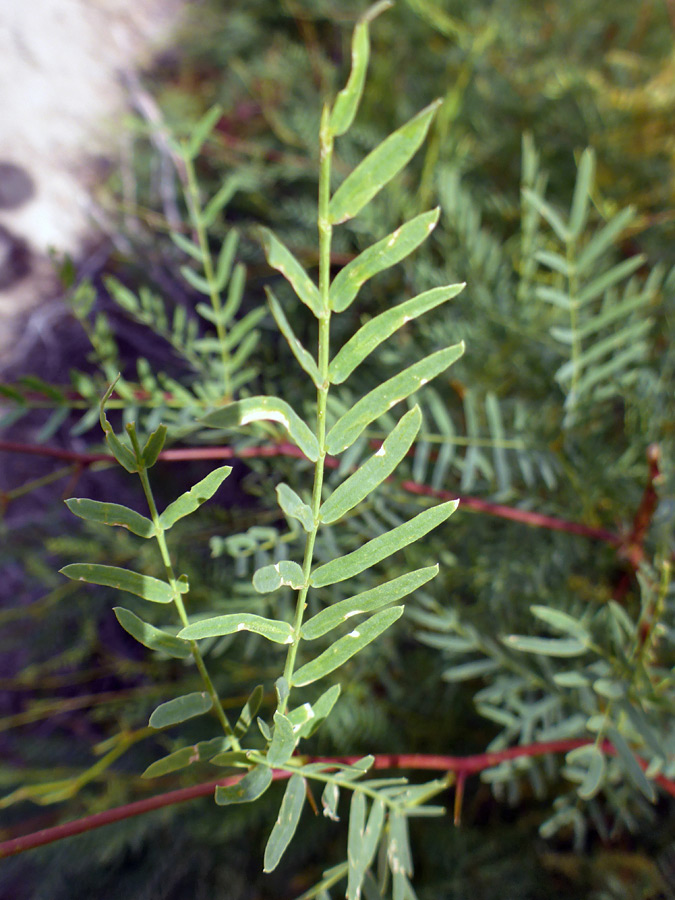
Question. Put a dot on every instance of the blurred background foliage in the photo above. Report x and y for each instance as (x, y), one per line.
(567, 75)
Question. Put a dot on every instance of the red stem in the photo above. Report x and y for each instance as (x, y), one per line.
(462, 765)
(525, 517)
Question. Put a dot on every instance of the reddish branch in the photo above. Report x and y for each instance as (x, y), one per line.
(461, 765)
(525, 517)
(633, 546)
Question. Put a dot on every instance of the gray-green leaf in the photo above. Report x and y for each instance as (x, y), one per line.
(193, 499)
(286, 823)
(276, 631)
(151, 637)
(546, 646)
(144, 586)
(270, 578)
(112, 514)
(303, 356)
(249, 788)
(374, 471)
(267, 409)
(382, 546)
(382, 398)
(630, 765)
(385, 253)
(294, 506)
(180, 709)
(366, 602)
(380, 166)
(377, 330)
(345, 647)
(283, 741)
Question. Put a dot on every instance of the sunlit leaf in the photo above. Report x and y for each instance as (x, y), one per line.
(283, 741)
(153, 446)
(385, 253)
(380, 166)
(382, 546)
(285, 572)
(345, 647)
(308, 717)
(382, 398)
(366, 602)
(217, 626)
(266, 409)
(377, 330)
(374, 471)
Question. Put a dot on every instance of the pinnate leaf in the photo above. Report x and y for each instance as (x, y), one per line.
(112, 514)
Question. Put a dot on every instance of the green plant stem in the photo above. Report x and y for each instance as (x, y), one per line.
(194, 203)
(573, 289)
(325, 236)
(178, 600)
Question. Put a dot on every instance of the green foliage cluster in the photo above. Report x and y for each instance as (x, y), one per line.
(551, 416)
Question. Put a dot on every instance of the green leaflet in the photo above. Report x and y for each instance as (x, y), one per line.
(180, 709)
(121, 451)
(345, 647)
(381, 399)
(374, 471)
(270, 578)
(153, 445)
(546, 646)
(280, 258)
(151, 637)
(179, 759)
(547, 212)
(366, 601)
(363, 840)
(112, 514)
(201, 131)
(303, 356)
(347, 101)
(286, 823)
(249, 711)
(604, 238)
(249, 788)
(307, 718)
(267, 409)
(191, 500)
(384, 545)
(377, 330)
(278, 632)
(630, 765)
(582, 193)
(144, 586)
(385, 253)
(294, 506)
(380, 166)
(283, 741)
